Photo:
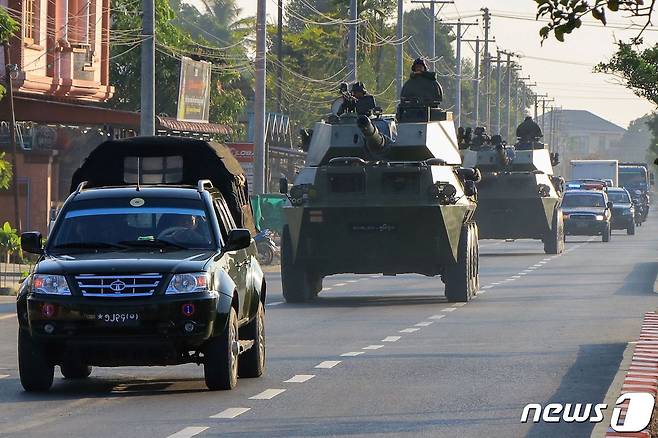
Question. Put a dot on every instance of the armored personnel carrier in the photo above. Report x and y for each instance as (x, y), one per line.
(518, 196)
(382, 194)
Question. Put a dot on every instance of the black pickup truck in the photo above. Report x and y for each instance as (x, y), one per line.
(150, 261)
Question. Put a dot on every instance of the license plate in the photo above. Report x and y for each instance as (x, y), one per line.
(374, 228)
(582, 224)
(117, 318)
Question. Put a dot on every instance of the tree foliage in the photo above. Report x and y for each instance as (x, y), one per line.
(8, 27)
(564, 16)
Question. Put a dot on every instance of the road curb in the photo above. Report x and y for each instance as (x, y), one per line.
(642, 374)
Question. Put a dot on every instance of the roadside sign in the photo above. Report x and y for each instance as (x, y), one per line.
(244, 153)
(194, 91)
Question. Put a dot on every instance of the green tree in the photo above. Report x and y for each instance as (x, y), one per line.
(564, 16)
(8, 27)
(172, 43)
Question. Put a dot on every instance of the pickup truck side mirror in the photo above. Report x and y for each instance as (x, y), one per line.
(31, 242)
(283, 185)
(239, 238)
(609, 205)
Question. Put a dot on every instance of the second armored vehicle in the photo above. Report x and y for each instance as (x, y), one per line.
(518, 197)
(382, 195)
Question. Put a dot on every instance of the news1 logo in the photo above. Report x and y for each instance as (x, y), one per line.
(638, 414)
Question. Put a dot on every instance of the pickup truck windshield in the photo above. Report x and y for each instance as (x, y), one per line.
(132, 223)
(619, 198)
(583, 200)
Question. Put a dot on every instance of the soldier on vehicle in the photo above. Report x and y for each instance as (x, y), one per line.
(351, 99)
(480, 138)
(528, 131)
(422, 85)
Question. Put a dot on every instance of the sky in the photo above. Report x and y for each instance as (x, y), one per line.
(564, 70)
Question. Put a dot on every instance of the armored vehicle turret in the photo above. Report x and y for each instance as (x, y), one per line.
(518, 196)
(382, 194)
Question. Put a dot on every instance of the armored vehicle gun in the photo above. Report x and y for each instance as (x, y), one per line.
(518, 196)
(382, 194)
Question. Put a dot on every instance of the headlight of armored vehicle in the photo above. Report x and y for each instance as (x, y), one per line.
(50, 284)
(599, 217)
(302, 193)
(188, 283)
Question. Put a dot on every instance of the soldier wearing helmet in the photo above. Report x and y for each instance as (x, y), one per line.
(422, 85)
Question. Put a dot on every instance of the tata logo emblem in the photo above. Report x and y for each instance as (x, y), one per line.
(117, 285)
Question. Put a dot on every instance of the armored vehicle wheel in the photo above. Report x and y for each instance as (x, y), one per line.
(631, 229)
(460, 277)
(554, 241)
(75, 370)
(252, 361)
(607, 233)
(34, 367)
(476, 258)
(220, 365)
(299, 286)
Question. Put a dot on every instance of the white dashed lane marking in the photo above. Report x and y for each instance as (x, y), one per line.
(437, 316)
(188, 432)
(4, 376)
(276, 303)
(391, 338)
(410, 330)
(327, 364)
(299, 378)
(449, 309)
(10, 316)
(340, 284)
(487, 287)
(268, 394)
(351, 353)
(231, 413)
(352, 281)
(459, 305)
(424, 324)
(373, 347)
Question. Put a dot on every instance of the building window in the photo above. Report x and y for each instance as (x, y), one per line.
(31, 21)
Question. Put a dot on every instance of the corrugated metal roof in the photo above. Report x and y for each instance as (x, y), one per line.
(178, 125)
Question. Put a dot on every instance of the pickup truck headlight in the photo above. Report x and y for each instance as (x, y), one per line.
(50, 284)
(599, 217)
(188, 283)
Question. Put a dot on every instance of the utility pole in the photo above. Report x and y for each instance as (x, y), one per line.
(400, 48)
(9, 70)
(432, 35)
(260, 184)
(147, 112)
(477, 80)
(509, 93)
(279, 54)
(498, 79)
(351, 46)
(537, 96)
(458, 69)
(487, 66)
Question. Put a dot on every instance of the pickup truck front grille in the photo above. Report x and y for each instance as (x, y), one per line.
(115, 286)
(583, 216)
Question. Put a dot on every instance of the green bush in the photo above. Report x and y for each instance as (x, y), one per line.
(10, 241)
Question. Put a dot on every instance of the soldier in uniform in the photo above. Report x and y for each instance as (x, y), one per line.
(528, 131)
(422, 85)
(351, 99)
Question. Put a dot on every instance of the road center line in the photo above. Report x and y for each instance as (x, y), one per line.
(352, 281)
(11, 315)
(231, 413)
(487, 287)
(351, 353)
(340, 284)
(437, 316)
(391, 338)
(326, 288)
(328, 364)
(410, 330)
(267, 394)
(424, 324)
(449, 309)
(188, 432)
(299, 378)
(4, 376)
(276, 303)
(373, 347)
(459, 305)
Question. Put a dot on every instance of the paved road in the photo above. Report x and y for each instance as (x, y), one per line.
(387, 356)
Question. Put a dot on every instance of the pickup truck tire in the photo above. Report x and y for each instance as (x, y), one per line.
(35, 369)
(75, 370)
(605, 236)
(252, 362)
(631, 229)
(220, 365)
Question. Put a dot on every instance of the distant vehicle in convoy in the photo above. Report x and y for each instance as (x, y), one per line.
(518, 196)
(382, 194)
(595, 169)
(587, 213)
(635, 178)
(586, 184)
(623, 210)
(151, 261)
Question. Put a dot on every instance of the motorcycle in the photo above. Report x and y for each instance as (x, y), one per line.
(266, 246)
(640, 200)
